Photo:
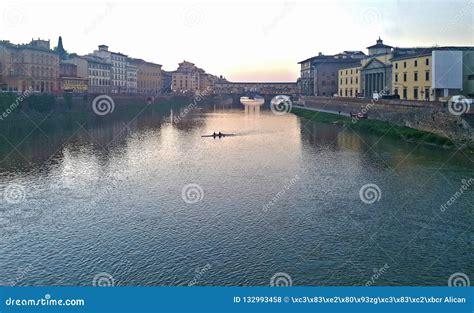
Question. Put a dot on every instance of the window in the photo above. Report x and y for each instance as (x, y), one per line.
(427, 93)
(427, 61)
(395, 91)
(415, 92)
(396, 65)
(357, 80)
(416, 63)
(427, 75)
(404, 64)
(404, 77)
(404, 93)
(415, 76)
(396, 77)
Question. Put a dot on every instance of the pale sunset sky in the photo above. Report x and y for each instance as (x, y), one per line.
(243, 41)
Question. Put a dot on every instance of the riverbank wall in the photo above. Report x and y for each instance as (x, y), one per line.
(433, 117)
(119, 100)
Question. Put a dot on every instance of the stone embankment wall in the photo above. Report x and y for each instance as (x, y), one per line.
(427, 116)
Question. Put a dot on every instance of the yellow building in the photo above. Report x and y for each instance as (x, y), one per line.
(190, 78)
(74, 84)
(349, 81)
(149, 77)
(412, 77)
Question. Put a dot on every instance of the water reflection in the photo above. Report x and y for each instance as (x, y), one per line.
(100, 193)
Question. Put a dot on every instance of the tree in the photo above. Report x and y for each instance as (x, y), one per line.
(60, 49)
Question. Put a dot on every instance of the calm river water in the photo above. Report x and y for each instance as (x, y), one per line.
(109, 197)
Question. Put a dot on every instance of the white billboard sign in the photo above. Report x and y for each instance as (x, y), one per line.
(447, 69)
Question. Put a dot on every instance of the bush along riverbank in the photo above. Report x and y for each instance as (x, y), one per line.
(379, 128)
(30, 106)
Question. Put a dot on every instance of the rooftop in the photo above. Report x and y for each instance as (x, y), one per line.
(379, 44)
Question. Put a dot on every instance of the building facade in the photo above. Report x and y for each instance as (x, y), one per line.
(349, 81)
(412, 76)
(70, 82)
(318, 75)
(132, 78)
(32, 65)
(376, 70)
(433, 74)
(190, 78)
(118, 68)
(185, 78)
(149, 77)
(468, 72)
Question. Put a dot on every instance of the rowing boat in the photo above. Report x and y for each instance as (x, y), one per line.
(217, 135)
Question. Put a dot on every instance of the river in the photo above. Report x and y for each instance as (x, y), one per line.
(148, 201)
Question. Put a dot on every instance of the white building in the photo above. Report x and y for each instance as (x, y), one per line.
(96, 70)
(132, 86)
(118, 73)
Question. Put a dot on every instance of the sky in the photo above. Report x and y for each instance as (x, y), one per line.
(256, 40)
